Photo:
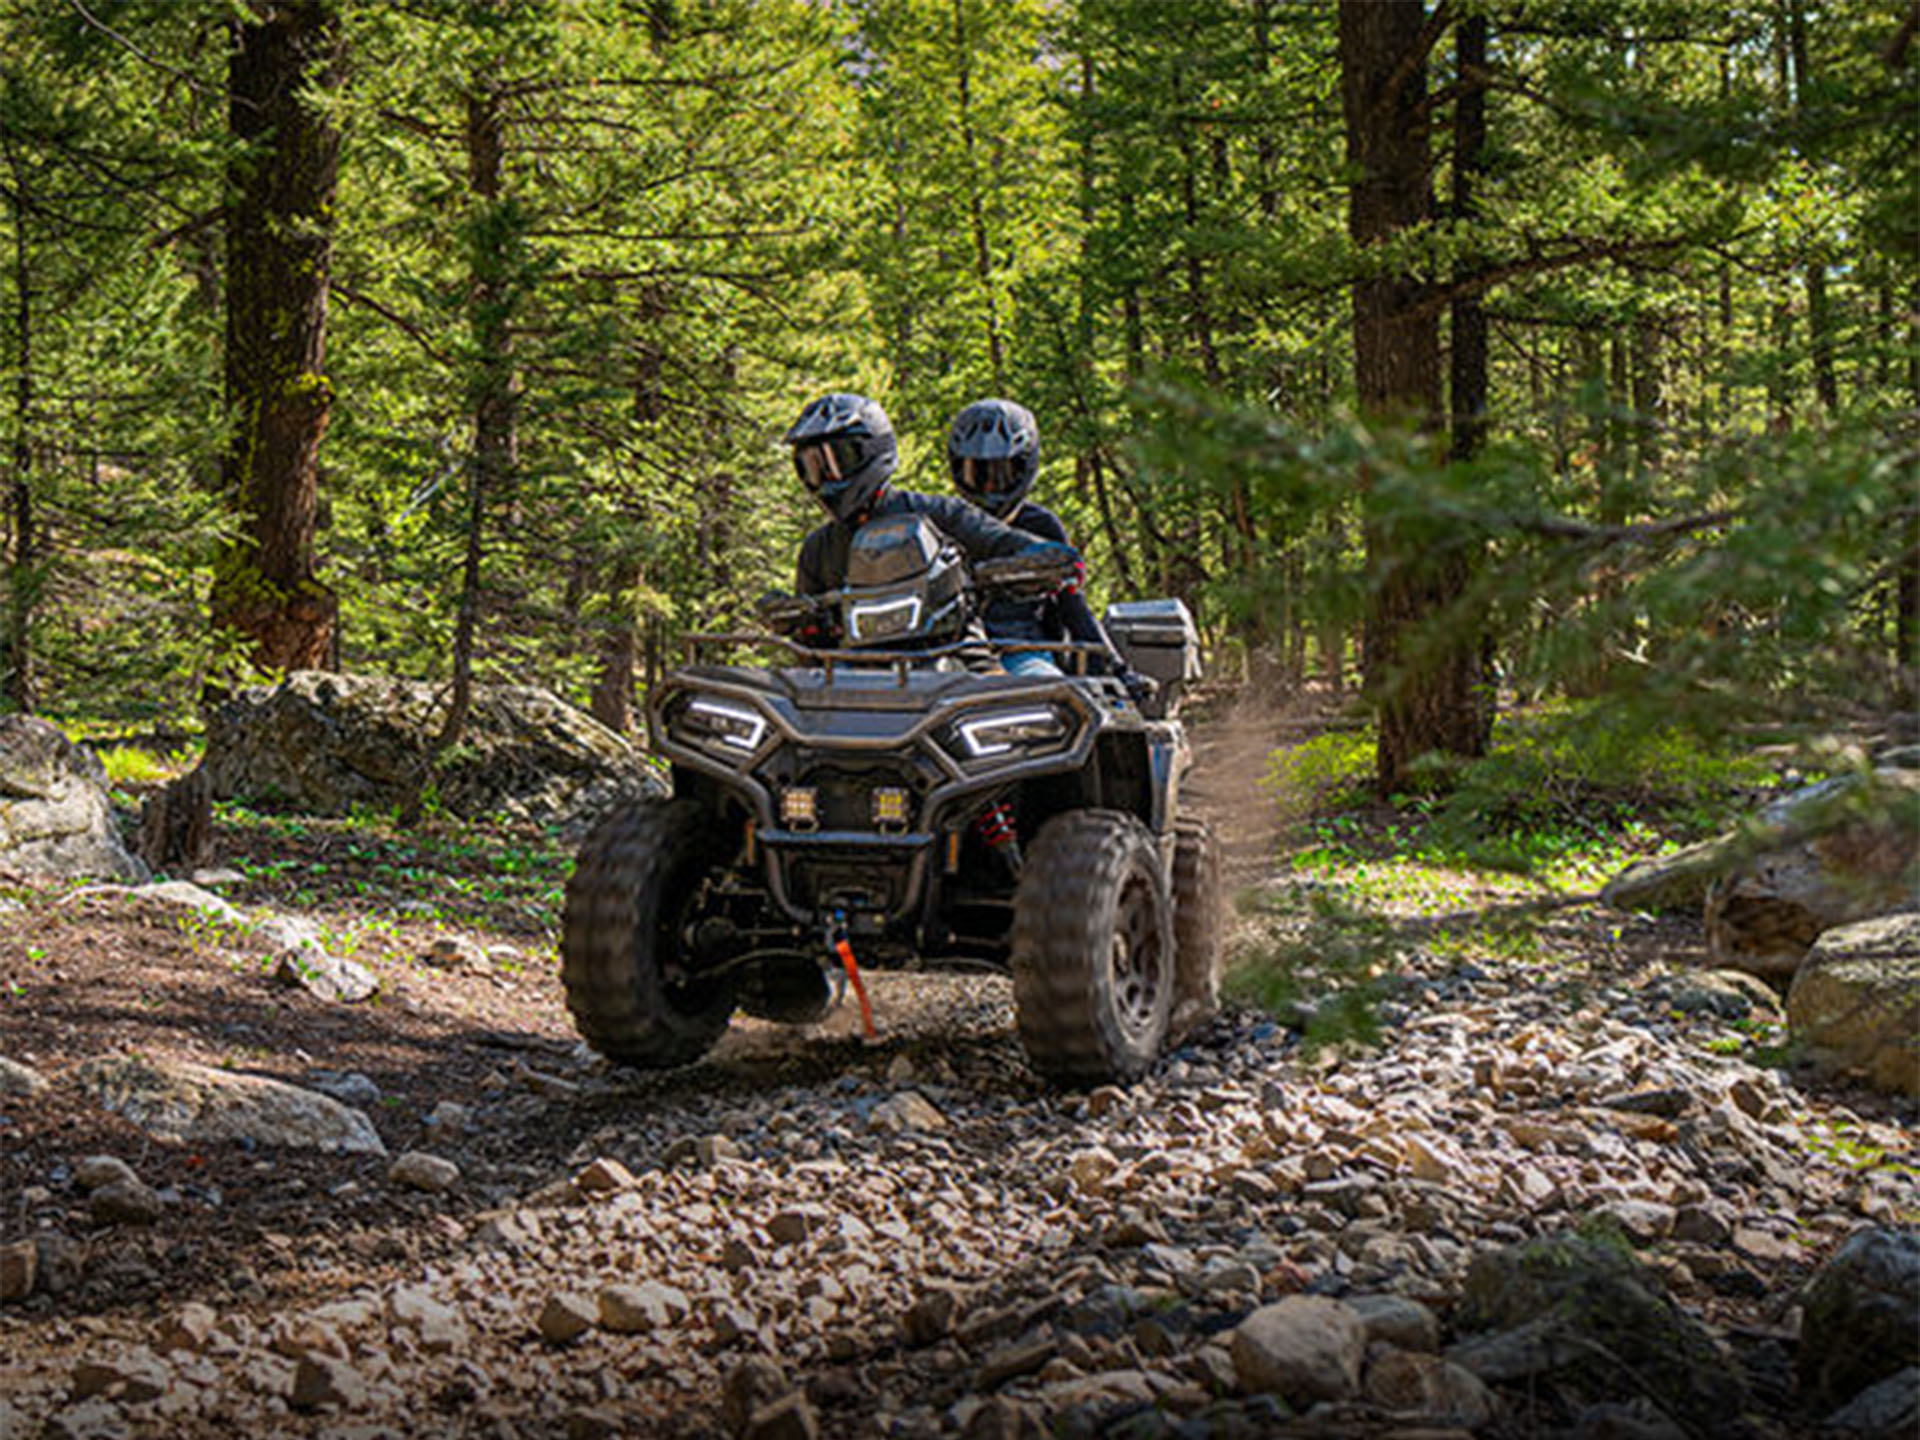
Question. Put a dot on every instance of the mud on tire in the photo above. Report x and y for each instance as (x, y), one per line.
(636, 876)
(1198, 919)
(1093, 953)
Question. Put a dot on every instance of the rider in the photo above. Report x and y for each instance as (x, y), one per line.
(845, 452)
(993, 451)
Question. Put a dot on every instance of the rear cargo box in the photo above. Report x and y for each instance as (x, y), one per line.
(1158, 639)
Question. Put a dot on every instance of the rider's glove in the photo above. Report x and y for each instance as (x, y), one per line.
(1140, 688)
(1066, 556)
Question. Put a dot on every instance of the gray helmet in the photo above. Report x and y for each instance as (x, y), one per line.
(994, 454)
(845, 452)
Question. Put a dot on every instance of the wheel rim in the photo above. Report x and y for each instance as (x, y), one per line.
(1136, 963)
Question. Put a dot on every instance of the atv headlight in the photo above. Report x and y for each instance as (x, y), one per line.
(870, 620)
(720, 726)
(1002, 732)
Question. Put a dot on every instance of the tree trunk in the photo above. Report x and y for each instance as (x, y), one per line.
(1425, 694)
(1826, 384)
(1467, 357)
(495, 392)
(612, 703)
(279, 256)
(976, 203)
(23, 575)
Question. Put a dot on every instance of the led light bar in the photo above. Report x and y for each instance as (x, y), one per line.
(878, 619)
(998, 734)
(890, 806)
(729, 724)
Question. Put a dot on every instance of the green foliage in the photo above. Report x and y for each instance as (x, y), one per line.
(1693, 230)
(1322, 969)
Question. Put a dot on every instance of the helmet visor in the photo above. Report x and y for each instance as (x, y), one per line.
(821, 462)
(990, 479)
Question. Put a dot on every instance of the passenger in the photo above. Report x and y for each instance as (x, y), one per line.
(993, 451)
(845, 452)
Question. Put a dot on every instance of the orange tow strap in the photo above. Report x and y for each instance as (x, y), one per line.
(845, 950)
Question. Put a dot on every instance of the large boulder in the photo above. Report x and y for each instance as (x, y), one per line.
(55, 816)
(179, 1100)
(1600, 1326)
(1844, 850)
(1861, 1319)
(1855, 1002)
(324, 744)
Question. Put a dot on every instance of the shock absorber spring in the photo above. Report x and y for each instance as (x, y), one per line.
(998, 831)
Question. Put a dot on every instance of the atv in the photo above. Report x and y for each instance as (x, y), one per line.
(887, 796)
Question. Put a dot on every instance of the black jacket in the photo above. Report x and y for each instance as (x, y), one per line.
(1065, 616)
(823, 554)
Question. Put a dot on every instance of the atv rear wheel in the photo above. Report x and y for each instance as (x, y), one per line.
(1093, 956)
(1197, 922)
(634, 883)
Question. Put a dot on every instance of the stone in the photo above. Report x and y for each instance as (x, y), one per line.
(1859, 1322)
(298, 1336)
(303, 961)
(133, 1377)
(1021, 1357)
(60, 1261)
(790, 1417)
(179, 1100)
(1430, 1387)
(602, 1177)
(1001, 1417)
(125, 1202)
(634, 1309)
(322, 743)
(56, 817)
(1397, 1321)
(907, 1111)
(930, 1318)
(1644, 1222)
(96, 1419)
(98, 1170)
(418, 1170)
(456, 952)
(20, 1082)
(349, 1087)
(565, 1318)
(1304, 1348)
(795, 1223)
(1888, 1409)
(19, 1270)
(1553, 1307)
(1632, 1420)
(748, 1389)
(322, 1382)
(1673, 882)
(1855, 1002)
(1724, 995)
(1846, 849)
(437, 1326)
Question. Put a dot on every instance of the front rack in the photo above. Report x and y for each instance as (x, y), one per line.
(1066, 652)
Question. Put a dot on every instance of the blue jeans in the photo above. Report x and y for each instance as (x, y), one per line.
(1029, 662)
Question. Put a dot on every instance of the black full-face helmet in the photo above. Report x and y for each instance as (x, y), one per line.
(994, 454)
(845, 452)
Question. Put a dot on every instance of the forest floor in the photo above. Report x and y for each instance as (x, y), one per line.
(916, 1232)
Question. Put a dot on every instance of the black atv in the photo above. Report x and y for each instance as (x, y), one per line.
(897, 800)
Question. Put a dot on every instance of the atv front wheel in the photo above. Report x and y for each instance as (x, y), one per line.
(1197, 905)
(635, 881)
(1093, 956)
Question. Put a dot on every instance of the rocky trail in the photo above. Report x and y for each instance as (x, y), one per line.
(1540, 1205)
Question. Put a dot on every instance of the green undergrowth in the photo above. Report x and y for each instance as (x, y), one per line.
(1472, 862)
(473, 876)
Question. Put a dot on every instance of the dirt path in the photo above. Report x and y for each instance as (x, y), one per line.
(810, 1234)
